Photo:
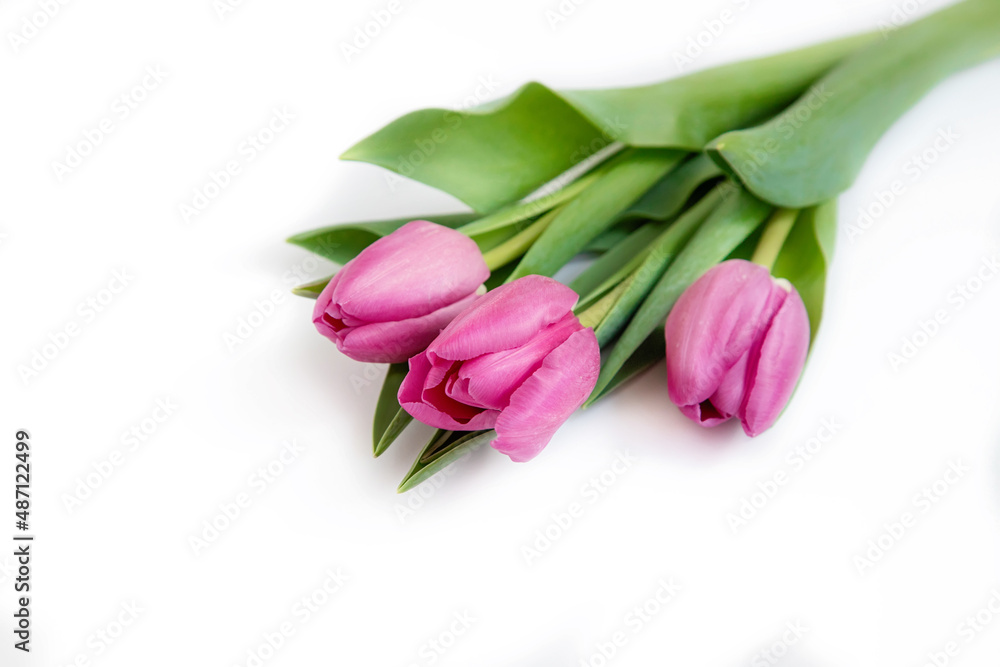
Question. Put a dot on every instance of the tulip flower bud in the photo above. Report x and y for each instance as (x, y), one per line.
(736, 343)
(388, 303)
(518, 360)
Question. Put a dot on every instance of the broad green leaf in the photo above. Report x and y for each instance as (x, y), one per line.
(488, 156)
(806, 255)
(687, 112)
(444, 448)
(341, 243)
(725, 229)
(667, 198)
(662, 251)
(592, 281)
(500, 152)
(311, 289)
(388, 421)
(815, 149)
(595, 209)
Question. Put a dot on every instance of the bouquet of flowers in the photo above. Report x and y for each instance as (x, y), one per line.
(705, 206)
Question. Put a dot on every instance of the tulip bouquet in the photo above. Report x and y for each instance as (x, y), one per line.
(704, 210)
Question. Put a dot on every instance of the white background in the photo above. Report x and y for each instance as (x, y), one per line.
(461, 549)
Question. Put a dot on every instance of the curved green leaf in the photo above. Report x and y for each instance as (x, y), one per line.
(689, 111)
(487, 156)
(341, 243)
(444, 448)
(311, 289)
(595, 209)
(388, 422)
(667, 198)
(814, 150)
(498, 153)
(806, 255)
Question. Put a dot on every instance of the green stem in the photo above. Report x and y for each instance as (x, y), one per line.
(595, 313)
(518, 244)
(773, 238)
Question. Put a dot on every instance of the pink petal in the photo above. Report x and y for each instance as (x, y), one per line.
(325, 323)
(411, 398)
(711, 326)
(505, 318)
(547, 399)
(490, 379)
(418, 269)
(395, 342)
(773, 377)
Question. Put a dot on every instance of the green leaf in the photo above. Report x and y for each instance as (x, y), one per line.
(662, 251)
(526, 210)
(667, 198)
(648, 354)
(341, 243)
(612, 267)
(444, 448)
(390, 418)
(499, 153)
(815, 149)
(687, 112)
(727, 227)
(806, 255)
(312, 289)
(490, 155)
(595, 209)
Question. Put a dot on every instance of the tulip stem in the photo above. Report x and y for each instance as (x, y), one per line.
(773, 238)
(595, 314)
(515, 246)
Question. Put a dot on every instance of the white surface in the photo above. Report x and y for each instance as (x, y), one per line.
(461, 550)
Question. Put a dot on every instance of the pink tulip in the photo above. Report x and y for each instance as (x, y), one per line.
(388, 303)
(736, 344)
(518, 361)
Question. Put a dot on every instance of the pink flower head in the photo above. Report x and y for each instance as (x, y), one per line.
(518, 360)
(393, 299)
(736, 343)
